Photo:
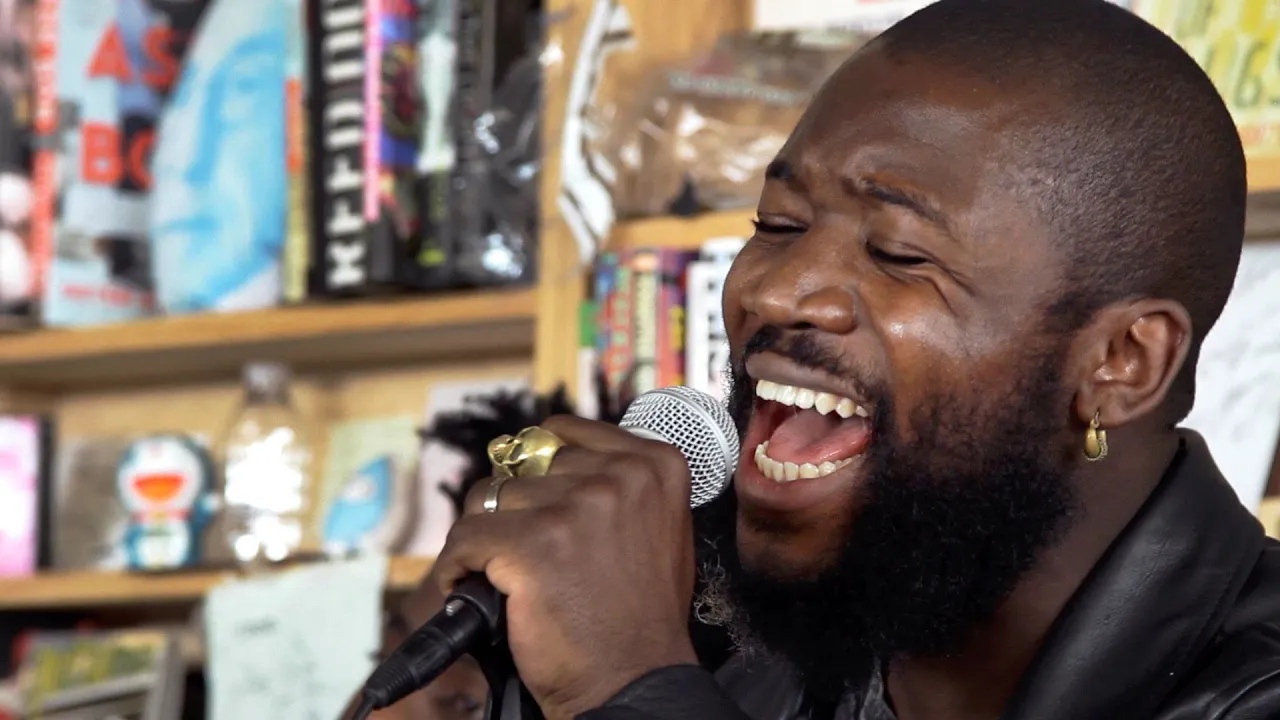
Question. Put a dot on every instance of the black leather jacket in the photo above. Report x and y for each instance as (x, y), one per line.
(1180, 620)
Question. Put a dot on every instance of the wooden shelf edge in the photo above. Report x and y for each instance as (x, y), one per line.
(91, 589)
(329, 337)
(274, 325)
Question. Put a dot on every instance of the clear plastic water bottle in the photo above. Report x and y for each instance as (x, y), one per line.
(268, 481)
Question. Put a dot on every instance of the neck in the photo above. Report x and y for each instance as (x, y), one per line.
(977, 682)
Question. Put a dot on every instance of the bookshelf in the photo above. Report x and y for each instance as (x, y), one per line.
(98, 590)
(357, 359)
(376, 357)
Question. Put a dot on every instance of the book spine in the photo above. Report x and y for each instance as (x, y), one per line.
(717, 364)
(662, 314)
(45, 158)
(473, 96)
(395, 99)
(432, 255)
(646, 267)
(605, 283)
(671, 330)
(697, 353)
(587, 396)
(387, 220)
(296, 262)
(373, 44)
(47, 506)
(337, 59)
(619, 356)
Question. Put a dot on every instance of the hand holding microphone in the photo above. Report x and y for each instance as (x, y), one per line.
(595, 557)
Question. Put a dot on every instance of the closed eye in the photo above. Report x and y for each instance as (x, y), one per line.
(768, 228)
(895, 259)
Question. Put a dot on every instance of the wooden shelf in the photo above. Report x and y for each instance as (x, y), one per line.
(95, 590)
(1264, 173)
(313, 337)
(682, 233)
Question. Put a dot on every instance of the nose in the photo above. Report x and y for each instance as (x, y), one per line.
(805, 290)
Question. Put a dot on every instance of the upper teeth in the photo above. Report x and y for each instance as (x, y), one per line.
(804, 398)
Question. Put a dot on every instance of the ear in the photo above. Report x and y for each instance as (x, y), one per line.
(1133, 352)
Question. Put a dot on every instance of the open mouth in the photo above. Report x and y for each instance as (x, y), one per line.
(806, 433)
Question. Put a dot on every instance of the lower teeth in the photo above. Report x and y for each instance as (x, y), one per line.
(784, 472)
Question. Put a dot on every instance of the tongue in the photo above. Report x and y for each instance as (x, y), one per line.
(808, 436)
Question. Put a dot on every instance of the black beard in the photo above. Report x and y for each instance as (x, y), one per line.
(951, 522)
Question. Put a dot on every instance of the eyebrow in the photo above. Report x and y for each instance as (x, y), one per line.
(863, 187)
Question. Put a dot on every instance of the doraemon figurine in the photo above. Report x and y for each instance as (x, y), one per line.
(165, 484)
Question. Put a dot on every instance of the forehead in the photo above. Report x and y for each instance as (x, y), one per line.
(945, 134)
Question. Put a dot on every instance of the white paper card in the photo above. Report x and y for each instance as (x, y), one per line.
(865, 15)
(870, 16)
(1238, 379)
(296, 645)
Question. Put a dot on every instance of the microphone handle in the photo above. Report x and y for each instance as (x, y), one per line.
(471, 620)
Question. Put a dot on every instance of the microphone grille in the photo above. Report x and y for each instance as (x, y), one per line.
(697, 424)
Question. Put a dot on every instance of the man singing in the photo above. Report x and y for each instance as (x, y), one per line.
(963, 334)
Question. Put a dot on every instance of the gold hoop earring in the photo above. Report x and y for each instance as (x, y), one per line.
(1095, 441)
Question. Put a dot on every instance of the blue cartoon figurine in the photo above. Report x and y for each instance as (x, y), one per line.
(164, 483)
(363, 515)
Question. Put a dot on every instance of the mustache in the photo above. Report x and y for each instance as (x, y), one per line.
(801, 348)
(806, 349)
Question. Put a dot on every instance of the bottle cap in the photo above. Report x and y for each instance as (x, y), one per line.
(266, 378)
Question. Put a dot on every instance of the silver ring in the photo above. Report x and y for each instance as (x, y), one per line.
(491, 493)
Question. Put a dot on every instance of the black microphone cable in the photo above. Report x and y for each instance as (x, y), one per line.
(365, 710)
(471, 619)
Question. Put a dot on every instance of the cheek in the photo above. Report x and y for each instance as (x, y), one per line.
(923, 341)
(918, 335)
(931, 353)
(915, 321)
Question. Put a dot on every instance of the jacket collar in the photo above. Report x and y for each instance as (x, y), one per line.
(1151, 605)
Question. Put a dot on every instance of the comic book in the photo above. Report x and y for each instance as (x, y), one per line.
(112, 65)
(220, 203)
(24, 497)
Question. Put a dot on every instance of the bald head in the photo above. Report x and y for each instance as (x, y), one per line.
(1128, 152)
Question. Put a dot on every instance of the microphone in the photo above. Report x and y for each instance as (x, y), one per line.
(472, 618)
